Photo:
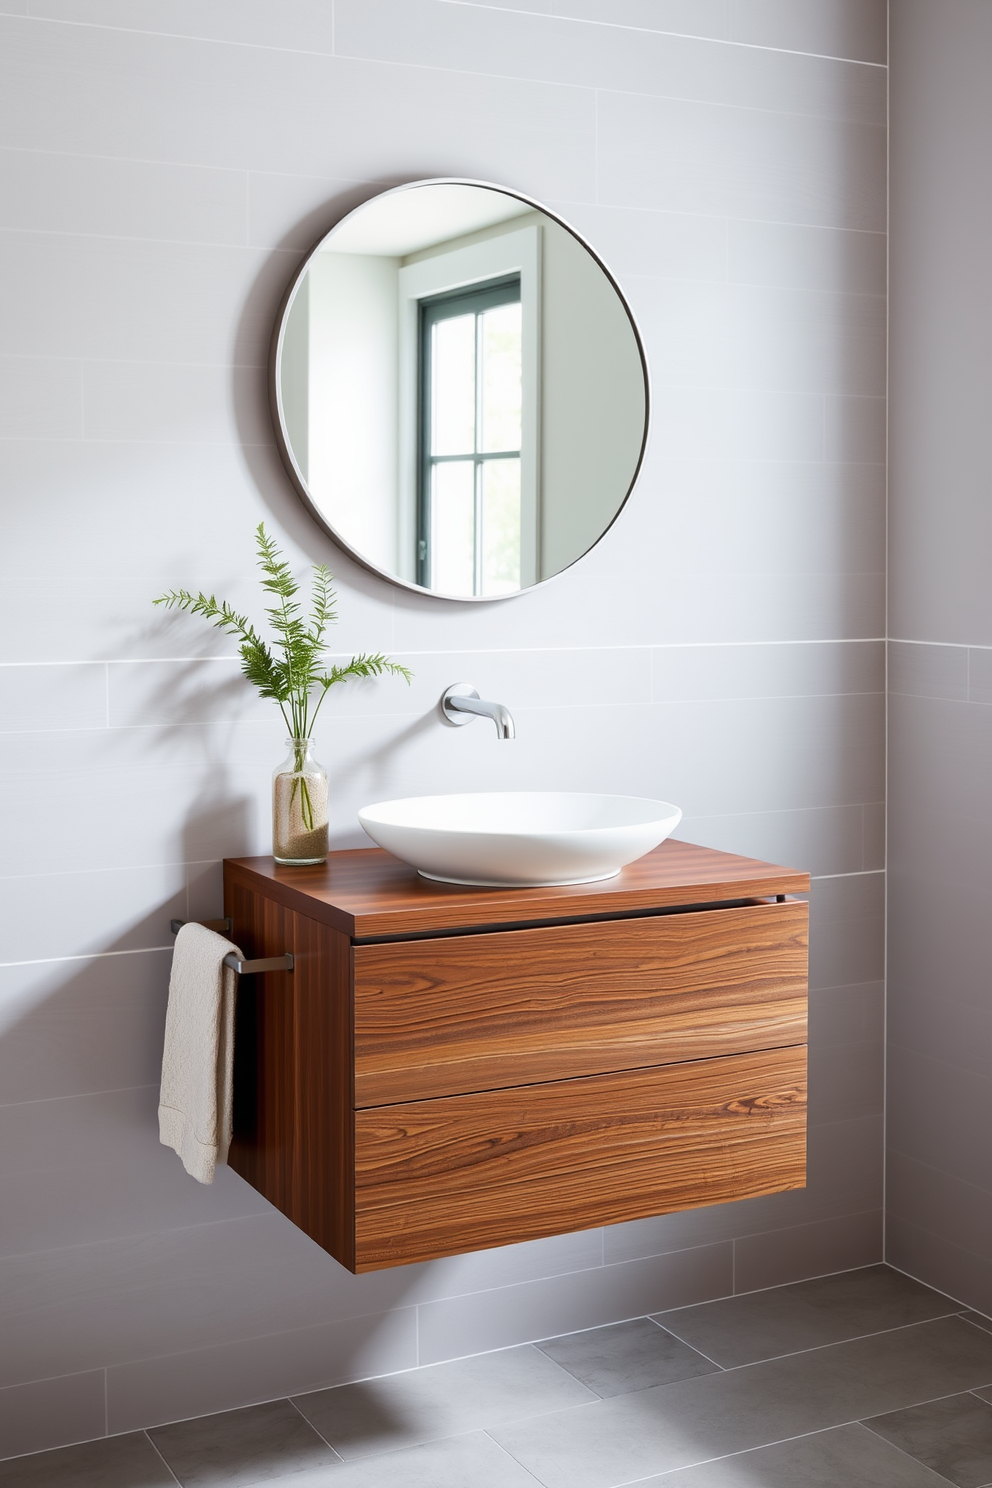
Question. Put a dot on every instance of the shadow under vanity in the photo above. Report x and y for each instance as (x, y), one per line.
(448, 1069)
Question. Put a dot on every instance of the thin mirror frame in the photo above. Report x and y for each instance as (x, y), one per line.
(279, 421)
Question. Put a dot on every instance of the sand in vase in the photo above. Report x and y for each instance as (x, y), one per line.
(292, 838)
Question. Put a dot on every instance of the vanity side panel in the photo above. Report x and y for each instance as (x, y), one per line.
(439, 1177)
(327, 1077)
(293, 1086)
(476, 1012)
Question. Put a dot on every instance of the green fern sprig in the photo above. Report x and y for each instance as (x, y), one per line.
(288, 670)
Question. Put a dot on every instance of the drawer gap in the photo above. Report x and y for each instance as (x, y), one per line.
(563, 1080)
(501, 926)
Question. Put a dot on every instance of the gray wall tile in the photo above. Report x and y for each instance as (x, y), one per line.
(63, 193)
(420, 32)
(846, 930)
(689, 673)
(543, 1309)
(961, 1273)
(175, 1387)
(843, 1177)
(40, 398)
(820, 258)
(70, 1027)
(49, 1413)
(917, 670)
(53, 697)
(845, 28)
(827, 839)
(845, 1080)
(695, 17)
(940, 324)
(979, 674)
(300, 25)
(955, 1210)
(838, 1244)
(699, 157)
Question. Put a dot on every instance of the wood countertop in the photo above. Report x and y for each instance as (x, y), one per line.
(367, 893)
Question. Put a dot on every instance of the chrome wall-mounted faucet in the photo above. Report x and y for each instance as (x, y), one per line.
(460, 703)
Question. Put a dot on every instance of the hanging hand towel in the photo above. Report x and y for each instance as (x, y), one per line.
(195, 1104)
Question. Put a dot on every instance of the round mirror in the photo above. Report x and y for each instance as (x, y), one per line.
(459, 389)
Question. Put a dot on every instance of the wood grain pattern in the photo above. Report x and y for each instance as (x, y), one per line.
(434, 1178)
(556, 1005)
(293, 1068)
(469, 1013)
(368, 892)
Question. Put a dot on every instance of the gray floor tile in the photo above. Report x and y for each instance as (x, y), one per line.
(847, 1457)
(113, 1462)
(237, 1447)
(979, 1319)
(762, 1325)
(953, 1436)
(626, 1356)
(423, 1405)
(473, 1461)
(656, 1431)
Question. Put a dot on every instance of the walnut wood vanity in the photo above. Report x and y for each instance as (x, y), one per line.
(448, 1069)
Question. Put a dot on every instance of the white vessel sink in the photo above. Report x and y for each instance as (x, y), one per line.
(532, 839)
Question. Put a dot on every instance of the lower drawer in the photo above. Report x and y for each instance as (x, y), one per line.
(466, 1172)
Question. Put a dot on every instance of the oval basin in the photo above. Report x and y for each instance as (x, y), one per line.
(532, 839)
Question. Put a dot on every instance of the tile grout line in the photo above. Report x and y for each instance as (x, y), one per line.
(563, 20)
(203, 1224)
(41, 1100)
(559, 85)
(720, 1367)
(864, 1423)
(507, 650)
(568, 1374)
(728, 41)
(779, 1442)
(87, 956)
(291, 1402)
(817, 1347)
(908, 1455)
(486, 1431)
(158, 1454)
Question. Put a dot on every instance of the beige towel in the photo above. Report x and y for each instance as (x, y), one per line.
(195, 1105)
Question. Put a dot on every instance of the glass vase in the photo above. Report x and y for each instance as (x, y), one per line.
(299, 806)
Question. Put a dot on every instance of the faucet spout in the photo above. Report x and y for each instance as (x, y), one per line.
(460, 703)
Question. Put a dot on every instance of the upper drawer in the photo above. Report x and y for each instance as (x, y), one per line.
(482, 1012)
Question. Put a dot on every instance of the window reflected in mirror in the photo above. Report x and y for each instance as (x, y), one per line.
(471, 402)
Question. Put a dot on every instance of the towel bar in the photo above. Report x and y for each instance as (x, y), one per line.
(243, 968)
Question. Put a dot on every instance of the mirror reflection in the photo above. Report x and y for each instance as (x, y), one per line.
(460, 391)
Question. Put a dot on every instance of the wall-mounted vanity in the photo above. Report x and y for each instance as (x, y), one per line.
(449, 1069)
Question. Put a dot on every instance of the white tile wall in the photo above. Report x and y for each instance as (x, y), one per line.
(163, 167)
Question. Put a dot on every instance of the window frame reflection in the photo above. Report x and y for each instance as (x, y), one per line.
(476, 301)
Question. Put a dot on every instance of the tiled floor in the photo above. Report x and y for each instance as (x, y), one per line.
(862, 1380)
